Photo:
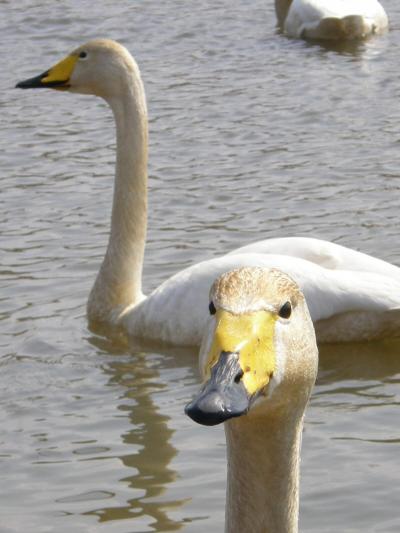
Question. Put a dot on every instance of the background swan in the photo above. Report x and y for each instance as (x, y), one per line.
(259, 358)
(357, 297)
(331, 19)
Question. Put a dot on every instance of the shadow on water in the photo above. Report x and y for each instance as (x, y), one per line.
(149, 435)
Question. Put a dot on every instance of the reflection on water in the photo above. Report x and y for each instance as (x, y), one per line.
(150, 432)
(149, 436)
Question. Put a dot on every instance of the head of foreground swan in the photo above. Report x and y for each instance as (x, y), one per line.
(259, 361)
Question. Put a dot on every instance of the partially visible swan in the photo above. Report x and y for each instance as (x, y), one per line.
(331, 19)
(356, 297)
(259, 359)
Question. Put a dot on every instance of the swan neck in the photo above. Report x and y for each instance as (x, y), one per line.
(282, 9)
(119, 282)
(263, 473)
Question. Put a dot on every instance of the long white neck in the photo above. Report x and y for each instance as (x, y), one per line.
(263, 473)
(282, 9)
(119, 281)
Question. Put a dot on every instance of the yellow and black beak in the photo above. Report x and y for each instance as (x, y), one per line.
(56, 77)
(223, 396)
(240, 364)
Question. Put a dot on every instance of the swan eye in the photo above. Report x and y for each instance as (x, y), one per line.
(286, 310)
(83, 55)
(212, 309)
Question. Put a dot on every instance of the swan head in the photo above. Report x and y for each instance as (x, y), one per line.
(101, 67)
(259, 350)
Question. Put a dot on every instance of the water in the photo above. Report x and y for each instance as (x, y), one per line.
(252, 136)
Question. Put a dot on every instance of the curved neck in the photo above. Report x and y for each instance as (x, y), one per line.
(263, 473)
(282, 9)
(118, 283)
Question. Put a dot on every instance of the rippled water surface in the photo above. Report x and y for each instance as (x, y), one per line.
(252, 135)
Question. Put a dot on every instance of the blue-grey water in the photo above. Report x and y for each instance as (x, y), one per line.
(252, 135)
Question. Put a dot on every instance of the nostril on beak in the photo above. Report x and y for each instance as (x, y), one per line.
(239, 376)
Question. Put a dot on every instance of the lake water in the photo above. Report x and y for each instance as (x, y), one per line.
(252, 135)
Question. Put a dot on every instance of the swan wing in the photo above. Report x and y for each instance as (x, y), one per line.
(177, 311)
(323, 253)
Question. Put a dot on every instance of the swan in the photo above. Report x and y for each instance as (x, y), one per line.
(259, 359)
(351, 296)
(331, 19)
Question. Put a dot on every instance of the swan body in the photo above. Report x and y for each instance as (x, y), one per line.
(259, 362)
(367, 303)
(331, 19)
(351, 296)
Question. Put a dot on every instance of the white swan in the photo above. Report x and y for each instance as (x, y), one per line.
(355, 297)
(259, 358)
(331, 19)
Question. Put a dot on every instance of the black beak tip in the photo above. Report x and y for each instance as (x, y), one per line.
(223, 396)
(33, 83)
(206, 418)
(211, 409)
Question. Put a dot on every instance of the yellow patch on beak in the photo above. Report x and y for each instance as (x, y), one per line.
(62, 71)
(250, 335)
